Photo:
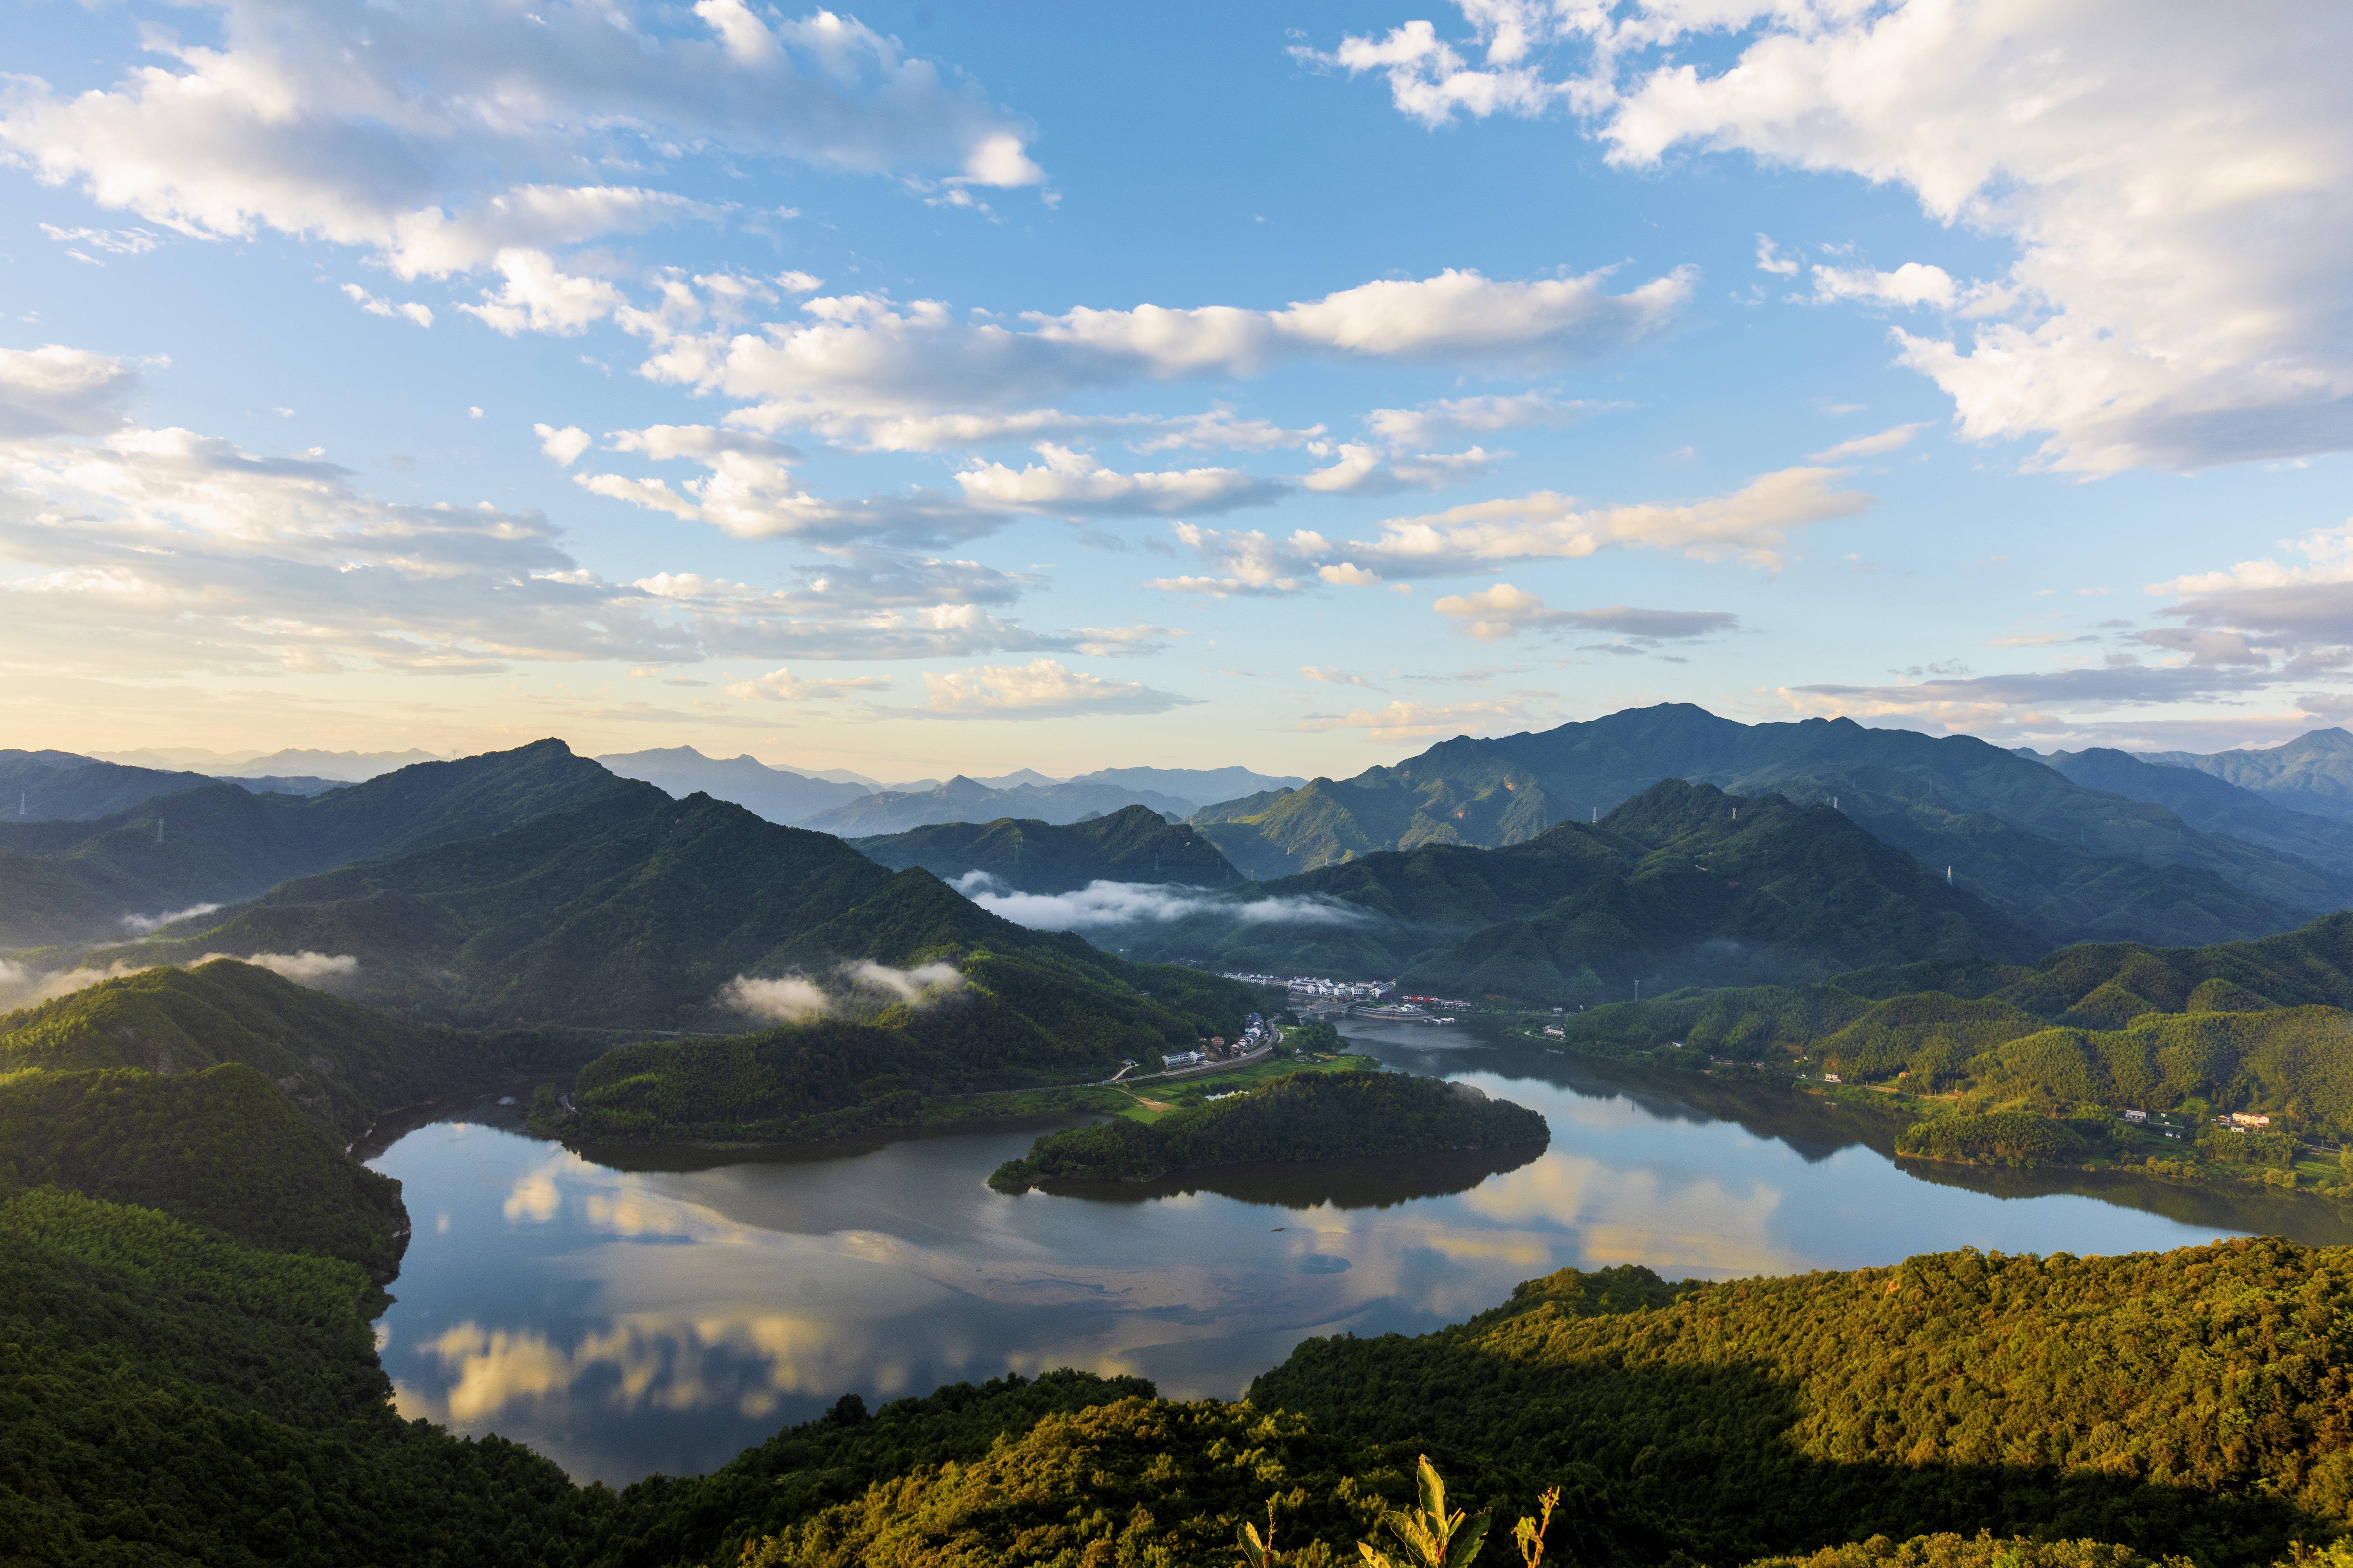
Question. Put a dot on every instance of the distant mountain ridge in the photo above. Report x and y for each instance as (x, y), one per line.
(73, 881)
(779, 795)
(1134, 843)
(1681, 885)
(2211, 803)
(968, 801)
(2075, 862)
(2312, 772)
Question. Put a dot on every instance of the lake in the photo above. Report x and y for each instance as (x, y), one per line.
(628, 1321)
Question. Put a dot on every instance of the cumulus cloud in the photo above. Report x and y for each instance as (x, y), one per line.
(376, 306)
(1101, 903)
(1072, 484)
(1361, 468)
(2167, 173)
(1503, 611)
(162, 552)
(1042, 689)
(749, 491)
(425, 145)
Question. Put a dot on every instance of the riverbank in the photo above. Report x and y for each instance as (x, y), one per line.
(2095, 1139)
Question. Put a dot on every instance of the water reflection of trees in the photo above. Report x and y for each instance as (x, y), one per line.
(1815, 1128)
(1360, 1182)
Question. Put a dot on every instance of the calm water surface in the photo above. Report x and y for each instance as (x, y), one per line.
(624, 1322)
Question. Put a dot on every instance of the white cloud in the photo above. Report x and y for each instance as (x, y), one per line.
(423, 144)
(1363, 470)
(304, 968)
(1452, 418)
(784, 686)
(1246, 564)
(1100, 904)
(1072, 484)
(1042, 689)
(751, 492)
(866, 357)
(1770, 259)
(1329, 676)
(790, 1000)
(2167, 171)
(1503, 611)
(56, 390)
(538, 296)
(1753, 523)
(140, 925)
(420, 315)
(1913, 284)
(113, 241)
(156, 553)
(1878, 446)
(923, 984)
(564, 446)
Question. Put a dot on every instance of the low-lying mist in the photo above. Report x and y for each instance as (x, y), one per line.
(858, 989)
(21, 987)
(1100, 904)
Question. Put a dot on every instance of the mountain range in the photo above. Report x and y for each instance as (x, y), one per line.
(64, 882)
(627, 910)
(1133, 844)
(2312, 772)
(2071, 861)
(1681, 885)
(968, 800)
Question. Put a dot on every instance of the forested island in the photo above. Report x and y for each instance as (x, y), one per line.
(1304, 1116)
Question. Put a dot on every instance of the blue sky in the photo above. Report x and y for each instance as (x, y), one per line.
(940, 387)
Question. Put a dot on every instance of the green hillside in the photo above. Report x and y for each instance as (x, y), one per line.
(2312, 772)
(2075, 863)
(72, 882)
(633, 912)
(2255, 1025)
(2212, 805)
(1681, 885)
(1017, 1020)
(1134, 843)
(222, 1147)
(1955, 1392)
(47, 786)
(344, 1065)
(1305, 1116)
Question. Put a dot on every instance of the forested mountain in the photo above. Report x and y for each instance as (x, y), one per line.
(1714, 1423)
(65, 881)
(1683, 884)
(342, 1064)
(2074, 862)
(2312, 772)
(53, 786)
(631, 911)
(968, 800)
(1133, 844)
(777, 793)
(2212, 805)
(2255, 1025)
